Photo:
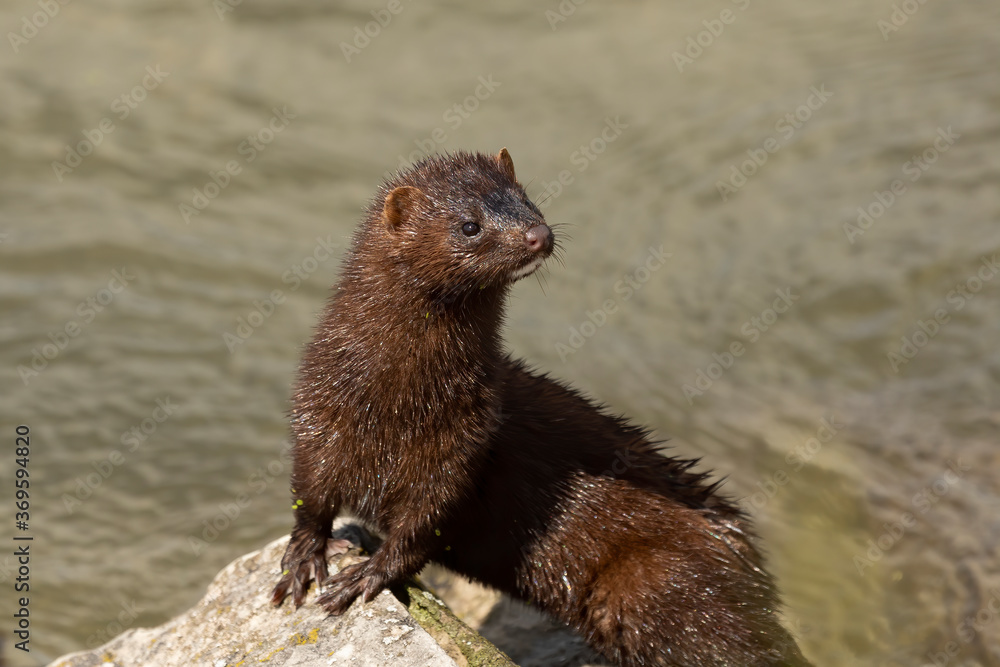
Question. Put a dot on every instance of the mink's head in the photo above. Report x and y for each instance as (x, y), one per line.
(457, 223)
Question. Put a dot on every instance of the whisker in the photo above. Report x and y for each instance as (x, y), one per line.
(541, 283)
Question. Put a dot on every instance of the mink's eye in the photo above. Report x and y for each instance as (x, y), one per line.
(470, 229)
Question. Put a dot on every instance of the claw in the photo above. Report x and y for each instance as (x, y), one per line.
(346, 586)
(298, 574)
(281, 591)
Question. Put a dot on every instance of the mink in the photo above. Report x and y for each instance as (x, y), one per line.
(409, 413)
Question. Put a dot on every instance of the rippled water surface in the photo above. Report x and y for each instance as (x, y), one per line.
(839, 366)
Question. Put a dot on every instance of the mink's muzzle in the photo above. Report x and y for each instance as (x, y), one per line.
(539, 239)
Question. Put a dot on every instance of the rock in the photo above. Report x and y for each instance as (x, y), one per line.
(533, 639)
(235, 624)
(527, 636)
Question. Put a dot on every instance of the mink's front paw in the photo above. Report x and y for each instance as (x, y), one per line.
(300, 570)
(296, 578)
(360, 579)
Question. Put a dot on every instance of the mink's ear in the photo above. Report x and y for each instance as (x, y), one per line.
(402, 204)
(506, 164)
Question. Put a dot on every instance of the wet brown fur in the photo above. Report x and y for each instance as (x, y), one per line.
(409, 413)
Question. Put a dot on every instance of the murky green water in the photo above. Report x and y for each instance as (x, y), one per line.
(711, 189)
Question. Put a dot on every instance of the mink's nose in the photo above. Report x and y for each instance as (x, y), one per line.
(538, 238)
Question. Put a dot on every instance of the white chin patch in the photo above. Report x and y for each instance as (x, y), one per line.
(527, 269)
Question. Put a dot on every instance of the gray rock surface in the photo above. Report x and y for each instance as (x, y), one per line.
(235, 625)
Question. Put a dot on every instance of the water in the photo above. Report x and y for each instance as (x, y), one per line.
(881, 522)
